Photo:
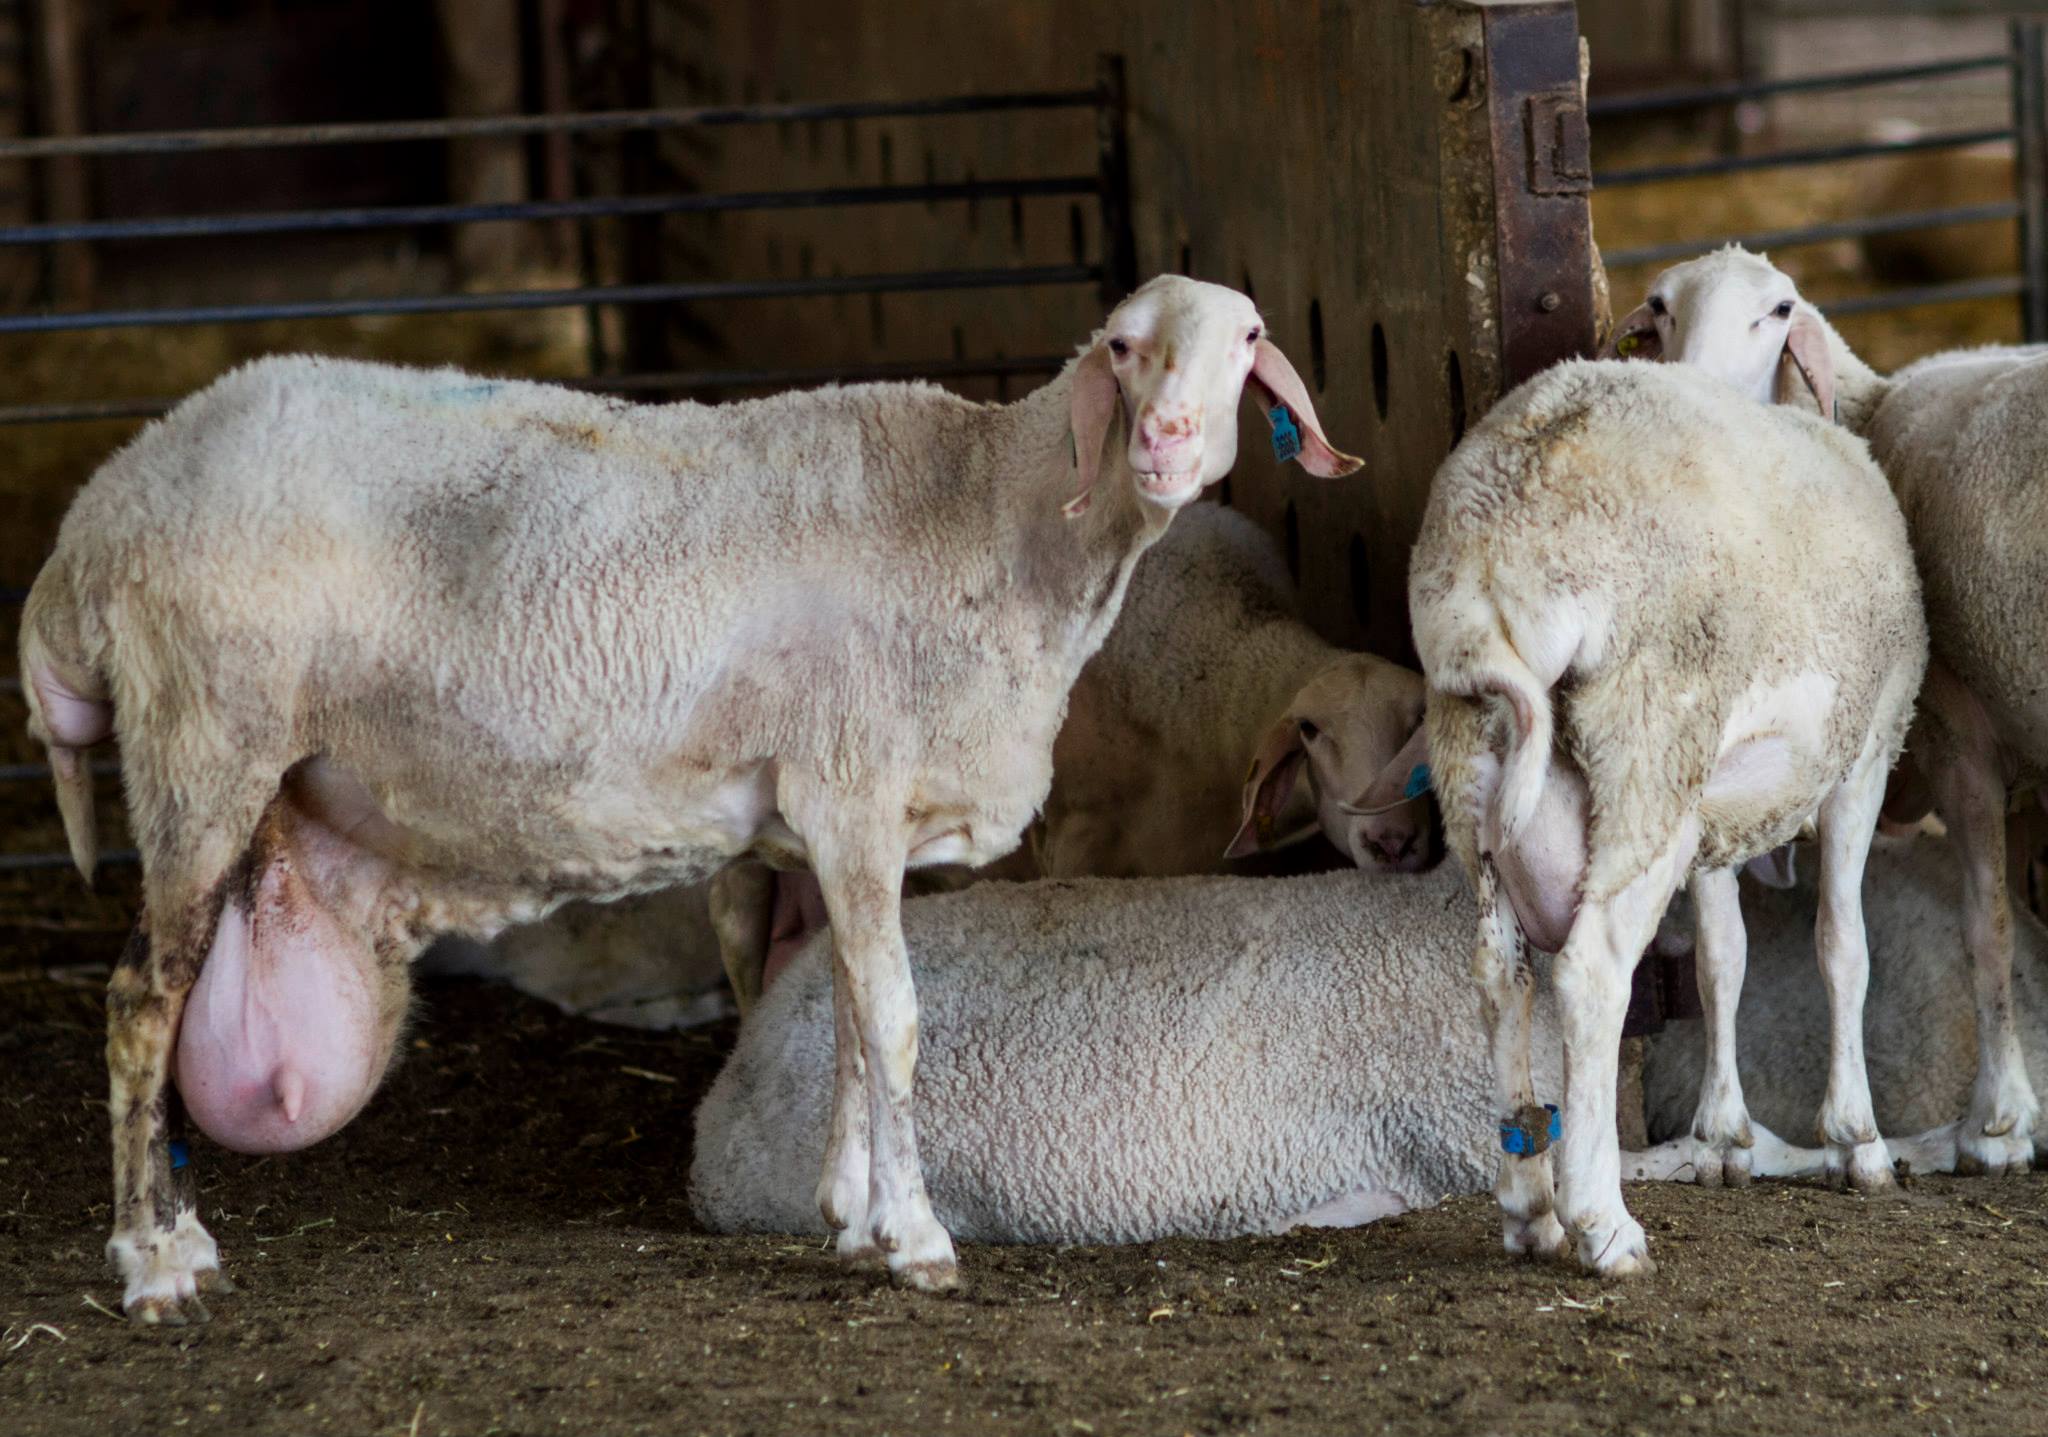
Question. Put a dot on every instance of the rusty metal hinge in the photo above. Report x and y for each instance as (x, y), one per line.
(1560, 150)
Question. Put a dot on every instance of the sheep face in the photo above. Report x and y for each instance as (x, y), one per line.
(1172, 362)
(1738, 317)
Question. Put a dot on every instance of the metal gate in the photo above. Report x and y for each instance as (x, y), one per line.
(2027, 130)
(1109, 267)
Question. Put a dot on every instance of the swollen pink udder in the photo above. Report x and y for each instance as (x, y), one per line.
(799, 912)
(280, 1044)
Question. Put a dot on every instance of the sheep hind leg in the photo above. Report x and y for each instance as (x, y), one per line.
(1721, 1121)
(1592, 982)
(1957, 750)
(164, 1255)
(1855, 1151)
(843, 1187)
(1523, 1188)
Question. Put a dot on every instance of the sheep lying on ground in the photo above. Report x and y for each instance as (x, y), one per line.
(1210, 667)
(1663, 630)
(391, 653)
(1206, 667)
(1120, 1061)
(1963, 438)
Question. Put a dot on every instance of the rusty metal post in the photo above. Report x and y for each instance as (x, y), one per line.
(1113, 168)
(2030, 175)
(1542, 178)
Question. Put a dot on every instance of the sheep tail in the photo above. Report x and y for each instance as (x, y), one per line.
(1498, 671)
(68, 710)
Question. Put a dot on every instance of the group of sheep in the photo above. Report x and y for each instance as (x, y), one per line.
(395, 654)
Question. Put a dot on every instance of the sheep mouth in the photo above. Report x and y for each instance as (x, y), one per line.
(1166, 486)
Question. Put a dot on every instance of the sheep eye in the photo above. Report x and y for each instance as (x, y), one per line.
(1119, 348)
(1784, 309)
(1253, 337)
(1308, 730)
(1656, 306)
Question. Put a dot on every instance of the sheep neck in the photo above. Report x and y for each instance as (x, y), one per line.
(1072, 570)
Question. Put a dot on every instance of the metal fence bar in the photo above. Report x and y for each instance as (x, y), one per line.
(915, 281)
(511, 126)
(1954, 293)
(398, 216)
(23, 862)
(1702, 97)
(1786, 159)
(1814, 234)
(2030, 173)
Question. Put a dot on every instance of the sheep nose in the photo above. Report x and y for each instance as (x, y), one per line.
(1169, 435)
(1394, 846)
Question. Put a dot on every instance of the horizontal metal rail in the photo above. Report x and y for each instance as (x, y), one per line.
(1657, 102)
(162, 142)
(1954, 293)
(24, 862)
(1816, 234)
(399, 216)
(699, 290)
(34, 772)
(94, 410)
(1786, 159)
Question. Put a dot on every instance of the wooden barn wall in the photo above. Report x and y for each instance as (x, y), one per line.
(1333, 159)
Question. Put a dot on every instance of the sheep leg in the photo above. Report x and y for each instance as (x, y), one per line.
(1958, 751)
(1499, 964)
(860, 870)
(1721, 1121)
(843, 1190)
(1592, 982)
(741, 898)
(1848, 1122)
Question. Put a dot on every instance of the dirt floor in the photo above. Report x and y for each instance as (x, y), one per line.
(502, 1243)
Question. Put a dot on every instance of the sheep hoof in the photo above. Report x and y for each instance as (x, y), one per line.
(857, 1251)
(1866, 1167)
(1616, 1250)
(215, 1281)
(1539, 1236)
(1982, 1153)
(931, 1276)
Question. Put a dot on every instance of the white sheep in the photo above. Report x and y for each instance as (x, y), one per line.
(1123, 1061)
(1210, 667)
(1663, 630)
(1963, 438)
(1207, 667)
(391, 653)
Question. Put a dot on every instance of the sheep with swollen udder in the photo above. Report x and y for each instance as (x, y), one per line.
(1663, 630)
(391, 653)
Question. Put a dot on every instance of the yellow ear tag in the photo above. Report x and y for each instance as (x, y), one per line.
(1628, 345)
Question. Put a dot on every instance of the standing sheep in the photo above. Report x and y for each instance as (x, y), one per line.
(393, 653)
(1663, 629)
(1963, 438)
(1207, 667)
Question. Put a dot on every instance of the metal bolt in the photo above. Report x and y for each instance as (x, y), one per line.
(1549, 302)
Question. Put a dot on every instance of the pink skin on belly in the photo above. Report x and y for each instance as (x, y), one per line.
(284, 1038)
(798, 913)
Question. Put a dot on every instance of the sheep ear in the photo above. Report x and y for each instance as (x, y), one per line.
(1275, 382)
(1806, 345)
(1635, 337)
(1091, 402)
(1405, 777)
(1268, 787)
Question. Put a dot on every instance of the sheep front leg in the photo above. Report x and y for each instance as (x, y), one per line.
(1527, 1202)
(1721, 1121)
(843, 1188)
(1848, 1121)
(860, 870)
(1592, 982)
(1957, 750)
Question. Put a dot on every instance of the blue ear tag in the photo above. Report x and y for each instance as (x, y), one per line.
(1520, 1139)
(180, 1154)
(1286, 436)
(1418, 781)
